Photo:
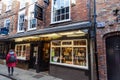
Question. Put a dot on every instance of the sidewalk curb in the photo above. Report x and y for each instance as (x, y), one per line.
(8, 76)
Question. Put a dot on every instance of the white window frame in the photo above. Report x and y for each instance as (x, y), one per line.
(0, 7)
(52, 22)
(22, 4)
(20, 13)
(6, 22)
(21, 57)
(31, 9)
(70, 65)
(9, 5)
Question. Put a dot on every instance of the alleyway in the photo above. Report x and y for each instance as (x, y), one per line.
(20, 74)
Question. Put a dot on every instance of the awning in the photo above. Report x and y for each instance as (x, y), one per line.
(70, 27)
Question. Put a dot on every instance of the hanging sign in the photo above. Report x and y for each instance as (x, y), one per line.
(38, 12)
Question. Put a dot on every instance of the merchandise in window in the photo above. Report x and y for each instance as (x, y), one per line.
(60, 10)
(23, 51)
(70, 53)
(79, 56)
(55, 53)
(67, 55)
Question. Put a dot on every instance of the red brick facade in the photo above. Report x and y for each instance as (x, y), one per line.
(79, 13)
(105, 14)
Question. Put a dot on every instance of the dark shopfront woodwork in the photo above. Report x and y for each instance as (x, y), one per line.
(39, 58)
(113, 57)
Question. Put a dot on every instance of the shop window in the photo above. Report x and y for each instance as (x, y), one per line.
(3, 51)
(23, 51)
(60, 11)
(70, 53)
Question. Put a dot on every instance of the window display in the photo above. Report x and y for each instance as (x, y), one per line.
(70, 53)
(22, 51)
(55, 54)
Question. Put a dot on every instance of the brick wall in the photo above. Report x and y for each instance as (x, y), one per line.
(105, 14)
(79, 13)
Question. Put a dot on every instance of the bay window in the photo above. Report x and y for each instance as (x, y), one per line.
(70, 53)
(60, 11)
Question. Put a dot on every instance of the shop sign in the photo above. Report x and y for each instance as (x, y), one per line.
(4, 31)
(100, 24)
(38, 12)
(36, 39)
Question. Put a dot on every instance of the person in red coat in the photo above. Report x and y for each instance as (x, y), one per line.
(9, 64)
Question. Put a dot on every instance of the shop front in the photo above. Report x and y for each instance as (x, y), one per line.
(64, 51)
(32, 54)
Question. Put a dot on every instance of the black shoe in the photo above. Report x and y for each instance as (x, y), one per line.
(12, 74)
(9, 74)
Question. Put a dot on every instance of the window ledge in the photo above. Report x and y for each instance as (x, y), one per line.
(20, 31)
(30, 29)
(69, 65)
(61, 21)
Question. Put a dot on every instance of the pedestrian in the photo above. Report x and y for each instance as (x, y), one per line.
(11, 60)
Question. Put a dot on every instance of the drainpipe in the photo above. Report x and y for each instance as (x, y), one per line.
(94, 54)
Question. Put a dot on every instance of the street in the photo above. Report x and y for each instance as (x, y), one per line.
(20, 74)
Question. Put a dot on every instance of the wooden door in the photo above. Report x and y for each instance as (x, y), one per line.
(113, 57)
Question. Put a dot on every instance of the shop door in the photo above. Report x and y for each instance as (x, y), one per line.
(34, 57)
(45, 56)
(113, 57)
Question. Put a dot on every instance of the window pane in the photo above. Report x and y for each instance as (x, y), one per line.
(56, 43)
(67, 9)
(67, 55)
(55, 54)
(67, 16)
(80, 42)
(62, 17)
(58, 12)
(79, 56)
(63, 10)
(58, 18)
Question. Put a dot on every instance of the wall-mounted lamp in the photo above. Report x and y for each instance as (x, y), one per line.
(73, 2)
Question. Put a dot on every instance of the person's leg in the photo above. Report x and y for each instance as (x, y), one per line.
(9, 71)
(12, 70)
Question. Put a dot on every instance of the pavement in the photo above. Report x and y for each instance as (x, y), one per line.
(21, 74)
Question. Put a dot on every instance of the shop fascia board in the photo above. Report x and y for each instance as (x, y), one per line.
(66, 28)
